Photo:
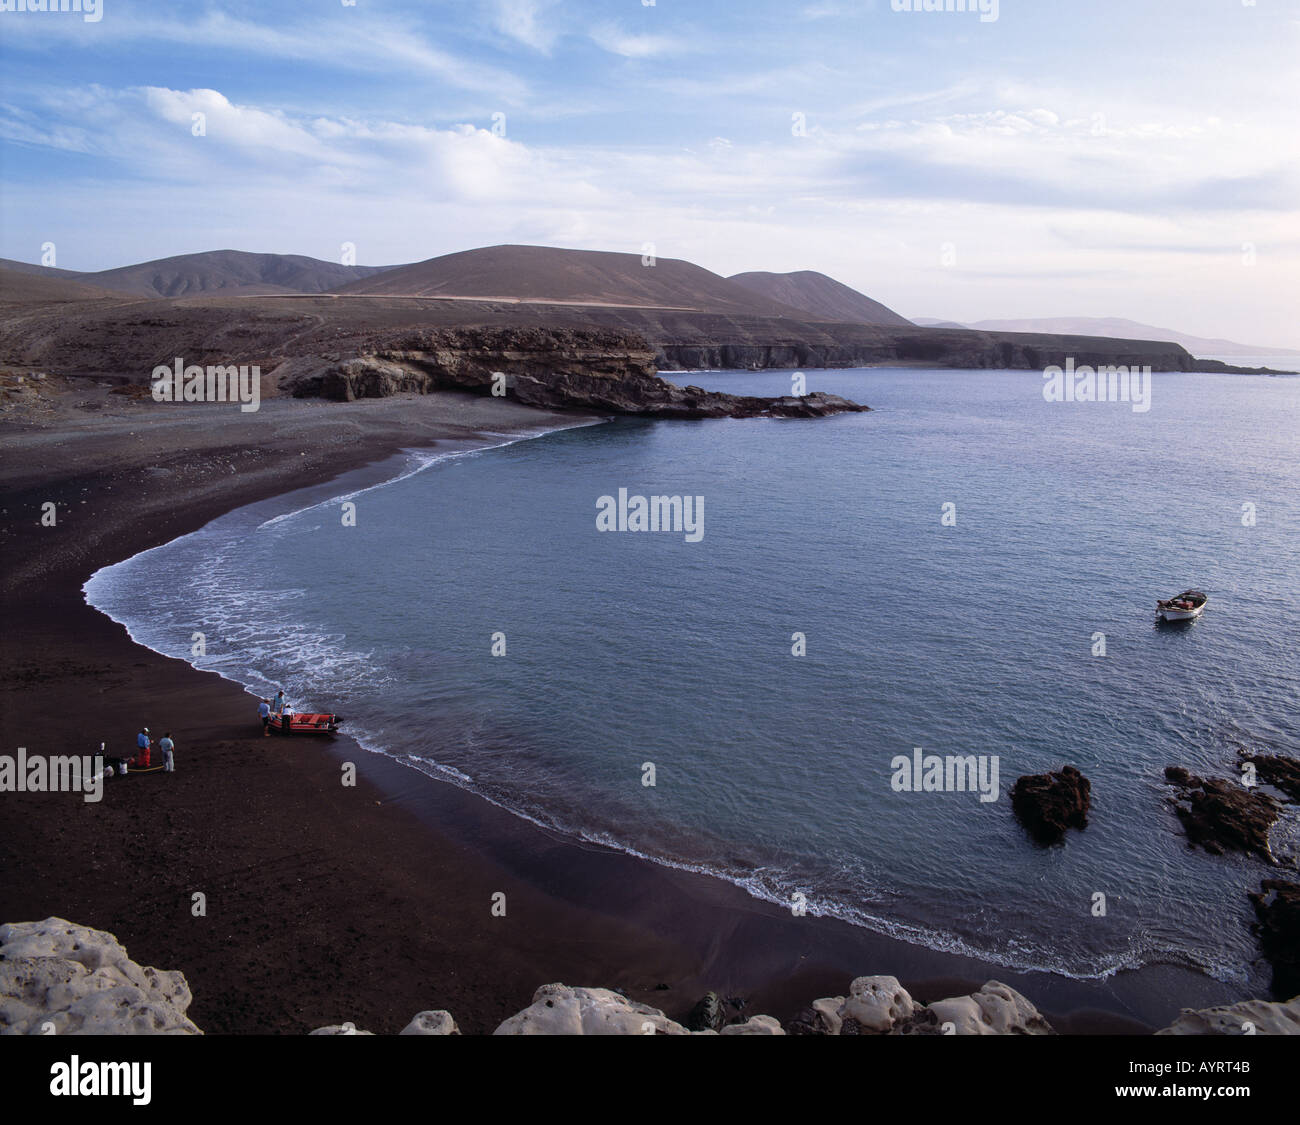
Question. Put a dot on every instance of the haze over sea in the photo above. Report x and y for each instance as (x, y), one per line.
(773, 770)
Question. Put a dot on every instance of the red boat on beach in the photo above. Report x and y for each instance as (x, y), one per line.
(305, 723)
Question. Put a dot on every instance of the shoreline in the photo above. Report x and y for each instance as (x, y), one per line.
(388, 884)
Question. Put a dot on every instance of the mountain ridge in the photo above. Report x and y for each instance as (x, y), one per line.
(210, 271)
(1111, 327)
(823, 296)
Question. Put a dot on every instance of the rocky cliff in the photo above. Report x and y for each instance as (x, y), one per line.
(591, 357)
(556, 369)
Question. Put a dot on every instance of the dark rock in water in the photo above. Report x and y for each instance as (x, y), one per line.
(1277, 906)
(707, 1015)
(1223, 815)
(1049, 803)
(1277, 771)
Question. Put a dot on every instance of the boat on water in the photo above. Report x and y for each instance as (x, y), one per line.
(1182, 607)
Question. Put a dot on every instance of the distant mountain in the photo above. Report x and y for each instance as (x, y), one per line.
(43, 271)
(1116, 327)
(930, 322)
(214, 271)
(587, 277)
(44, 285)
(824, 297)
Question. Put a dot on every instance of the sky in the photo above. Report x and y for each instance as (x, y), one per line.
(1033, 158)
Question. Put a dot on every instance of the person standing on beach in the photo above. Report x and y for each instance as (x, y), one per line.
(264, 713)
(166, 745)
(278, 704)
(143, 743)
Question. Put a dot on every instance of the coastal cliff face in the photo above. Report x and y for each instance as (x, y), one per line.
(345, 347)
(848, 345)
(347, 350)
(561, 369)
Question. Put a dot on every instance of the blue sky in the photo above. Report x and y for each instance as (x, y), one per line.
(1111, 158)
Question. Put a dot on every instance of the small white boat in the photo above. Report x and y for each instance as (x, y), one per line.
(1182, 607)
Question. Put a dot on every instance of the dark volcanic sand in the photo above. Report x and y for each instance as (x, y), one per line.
(372, 903)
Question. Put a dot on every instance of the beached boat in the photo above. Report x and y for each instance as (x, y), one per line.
(1182, 607)
(305, 723)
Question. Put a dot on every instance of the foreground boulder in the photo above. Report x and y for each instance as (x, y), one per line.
(1249, 1017)
(755, 1025)
(558, 1009)
(874, 1004)
(822, 1017)
(707, 1015)
(996, 1009)
(1277, 906)
(882, 1006)
(1223, 815)
(60, 978)
(431, 1023)
(340, 1029)
(1049, 803)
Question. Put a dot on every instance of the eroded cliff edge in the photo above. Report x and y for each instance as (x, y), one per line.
(562, 369)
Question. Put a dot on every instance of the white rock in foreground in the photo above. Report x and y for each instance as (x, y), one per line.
(996, 1009)
(1249, 1017)
(431, 1023)
(876, 1003)
(60, 978)
(558, 1009)
(340, 1029)
(755, 1025)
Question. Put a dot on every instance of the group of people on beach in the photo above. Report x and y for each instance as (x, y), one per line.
(269, 708)
(144, 758)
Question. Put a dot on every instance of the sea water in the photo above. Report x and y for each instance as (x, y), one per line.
(969, 569)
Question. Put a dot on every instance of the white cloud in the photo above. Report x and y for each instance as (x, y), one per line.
(1082, 238)
(634, 45)
(347, 40)
(526, 21)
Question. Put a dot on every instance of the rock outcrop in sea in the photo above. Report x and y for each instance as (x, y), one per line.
(1223, 815)
(1273, 769)
(1049, 803)
(1277, 906)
